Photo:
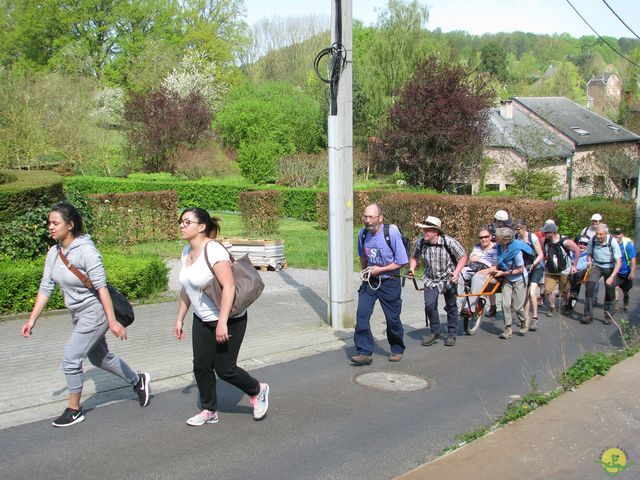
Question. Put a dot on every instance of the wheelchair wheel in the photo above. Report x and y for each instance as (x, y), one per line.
(472, 323)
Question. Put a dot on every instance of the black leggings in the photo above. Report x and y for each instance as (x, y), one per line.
(211, 358)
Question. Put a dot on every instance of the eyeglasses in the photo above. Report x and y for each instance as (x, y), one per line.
(484, 236)
(369, 217)
(186, 222)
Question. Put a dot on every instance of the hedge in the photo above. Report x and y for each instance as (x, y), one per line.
(573, 215)
(28, 190)
(136, 277)
(261, 212)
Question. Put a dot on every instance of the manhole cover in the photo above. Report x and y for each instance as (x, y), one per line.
(391, 381)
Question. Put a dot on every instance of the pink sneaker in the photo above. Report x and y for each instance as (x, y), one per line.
(260, 402)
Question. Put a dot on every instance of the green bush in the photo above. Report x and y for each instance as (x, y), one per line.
(7, 177)
(258, 161)
(586, 367)
(136, 277)
(31, 189)
(299, 203)
(573, 215)
(26, 236)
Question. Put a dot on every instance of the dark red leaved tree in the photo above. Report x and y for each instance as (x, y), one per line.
(438, 124)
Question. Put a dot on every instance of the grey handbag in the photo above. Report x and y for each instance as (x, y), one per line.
(249, 284)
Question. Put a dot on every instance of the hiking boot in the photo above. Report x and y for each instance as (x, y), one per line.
(361, 360)
(260, 402)
(430, 339)
(492, 311)
(625, 303)
(551, 312)
(205, 416)
(69, 417)
(586, 319)
(534, 324)
(508, 332)
(142, 388)
(450, 341)
(607, 318)
(524, 326)
(566, 308)
(395, 357)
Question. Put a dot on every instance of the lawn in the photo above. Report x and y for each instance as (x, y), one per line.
(306, 245)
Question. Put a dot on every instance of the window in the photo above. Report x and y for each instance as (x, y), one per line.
(598, 185)
(584, 181)
(492, 187)
(459, 188)
(580, 131)
(615, 128)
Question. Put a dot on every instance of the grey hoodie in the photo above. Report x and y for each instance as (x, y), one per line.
(83, 255)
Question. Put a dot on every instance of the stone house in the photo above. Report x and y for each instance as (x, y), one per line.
(604, 92)
(588, 153)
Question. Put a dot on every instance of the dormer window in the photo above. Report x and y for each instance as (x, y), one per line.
(547, 141)
(580, 131)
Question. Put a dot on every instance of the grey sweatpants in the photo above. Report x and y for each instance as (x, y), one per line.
(88, 341)
(513, 297)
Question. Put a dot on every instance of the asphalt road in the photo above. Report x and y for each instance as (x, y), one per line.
(321, 423)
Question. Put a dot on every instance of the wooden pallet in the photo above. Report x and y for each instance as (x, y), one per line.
(270, 268)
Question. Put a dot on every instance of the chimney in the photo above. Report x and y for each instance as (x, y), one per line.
(506, 109)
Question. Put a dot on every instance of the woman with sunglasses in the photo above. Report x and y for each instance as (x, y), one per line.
(216, 338)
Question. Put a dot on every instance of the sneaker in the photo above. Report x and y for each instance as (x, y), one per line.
(551, 312)
(492, 311)
(142, 389)
(566, 308)
(586, 320)
(607, 318)
(450, 341)
(507, 333)
(534, 324)
(395, 357)
(205, 416)
(430, 339)
(69, 417)
(360, 360)
(260, 402)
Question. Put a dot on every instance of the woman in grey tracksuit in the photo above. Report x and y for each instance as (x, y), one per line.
(91, 310)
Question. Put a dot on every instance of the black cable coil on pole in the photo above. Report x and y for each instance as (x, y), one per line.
(337, 63)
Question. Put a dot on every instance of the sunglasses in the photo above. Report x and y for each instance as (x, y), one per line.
(484, 236)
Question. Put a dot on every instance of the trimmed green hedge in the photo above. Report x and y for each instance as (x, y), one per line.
(29, 190)
(136, 277)
(574, 215)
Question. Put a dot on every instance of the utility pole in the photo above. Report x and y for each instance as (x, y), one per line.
(340, 129)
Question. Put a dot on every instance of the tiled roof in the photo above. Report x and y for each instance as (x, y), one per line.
(526, 136)
(582, 126)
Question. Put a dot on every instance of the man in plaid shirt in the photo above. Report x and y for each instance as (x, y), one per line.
(444, 257)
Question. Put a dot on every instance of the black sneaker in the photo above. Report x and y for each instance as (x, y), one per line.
(142, 389)
(450, 341)
(69, 417)
(430, 339)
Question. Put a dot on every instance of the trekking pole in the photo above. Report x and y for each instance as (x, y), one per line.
(413, 279)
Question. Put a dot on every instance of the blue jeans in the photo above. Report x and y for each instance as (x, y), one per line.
(391, 303)
(450, 306)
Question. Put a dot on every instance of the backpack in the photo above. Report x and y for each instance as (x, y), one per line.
(387, 237)
(422, 244)
(529, 258)
(593, 245)
(557, 255)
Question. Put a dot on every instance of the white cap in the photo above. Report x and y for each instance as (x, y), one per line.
(597, 217)
(501, 216)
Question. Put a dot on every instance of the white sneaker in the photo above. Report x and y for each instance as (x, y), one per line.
(260, 402)
(205, 416)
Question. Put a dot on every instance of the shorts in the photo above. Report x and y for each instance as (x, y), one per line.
(535, 275)
(553, 280)
(624, 283)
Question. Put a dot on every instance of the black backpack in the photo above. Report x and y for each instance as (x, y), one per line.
(529, 258)
(557, 255)
(387, 237)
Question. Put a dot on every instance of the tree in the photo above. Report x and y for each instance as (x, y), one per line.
(160, 122)
(438, 123)
(494, 60)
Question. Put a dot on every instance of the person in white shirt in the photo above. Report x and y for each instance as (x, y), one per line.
(216, 338)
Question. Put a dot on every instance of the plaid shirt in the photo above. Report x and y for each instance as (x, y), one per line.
(438, 265)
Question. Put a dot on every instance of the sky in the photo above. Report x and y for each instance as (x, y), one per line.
(482, 16)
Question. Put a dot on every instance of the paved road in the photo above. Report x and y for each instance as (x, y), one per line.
(321, 424)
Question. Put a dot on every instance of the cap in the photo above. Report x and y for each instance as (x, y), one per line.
(501, 216)
(596, 217)
(584, 240)
(617, 231)
(549, 228)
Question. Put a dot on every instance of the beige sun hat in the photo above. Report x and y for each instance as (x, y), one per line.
(431, 222)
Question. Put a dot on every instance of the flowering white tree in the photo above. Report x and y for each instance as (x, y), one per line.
(198, 74)
(108, 107)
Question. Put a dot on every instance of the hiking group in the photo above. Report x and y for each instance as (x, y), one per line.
(533, 268)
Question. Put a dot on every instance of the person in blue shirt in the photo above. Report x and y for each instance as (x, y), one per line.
(380, 262)
(627, 272)
(604, 254)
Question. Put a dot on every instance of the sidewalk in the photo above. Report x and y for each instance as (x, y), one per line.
(562, 440)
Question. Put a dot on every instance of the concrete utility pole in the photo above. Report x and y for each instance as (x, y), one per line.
(340, 126)
(636, 233)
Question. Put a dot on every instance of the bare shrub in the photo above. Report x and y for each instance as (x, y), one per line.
(303, 170)
(209, 161)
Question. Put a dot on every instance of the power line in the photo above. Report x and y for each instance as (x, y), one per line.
(600, 37)
(618, 17)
